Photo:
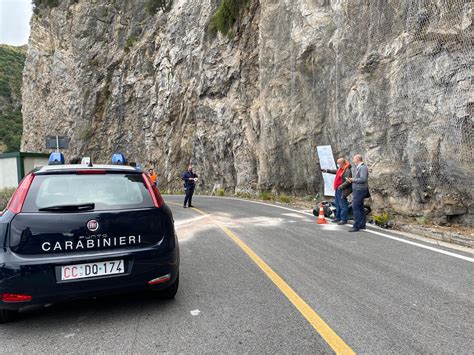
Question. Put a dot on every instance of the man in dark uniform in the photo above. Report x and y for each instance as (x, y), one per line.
(189, 179)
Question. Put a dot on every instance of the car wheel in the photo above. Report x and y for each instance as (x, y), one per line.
(7, 315)
(170, 292)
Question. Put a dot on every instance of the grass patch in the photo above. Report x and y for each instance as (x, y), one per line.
(284, 199)
(245, 195)
(266, 196)
(220, 192)
(226, 15)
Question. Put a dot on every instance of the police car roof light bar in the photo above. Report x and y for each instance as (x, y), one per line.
(118, 159)
(56, 158)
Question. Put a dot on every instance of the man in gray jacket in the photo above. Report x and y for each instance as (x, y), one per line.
(360, 190)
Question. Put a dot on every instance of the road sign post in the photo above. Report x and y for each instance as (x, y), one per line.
(57, 142)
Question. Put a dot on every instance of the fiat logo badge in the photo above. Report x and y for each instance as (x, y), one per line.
(92, 225)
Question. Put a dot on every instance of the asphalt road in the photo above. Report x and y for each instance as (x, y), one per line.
(240, 263)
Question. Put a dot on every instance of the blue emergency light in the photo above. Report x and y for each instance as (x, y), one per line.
(56, 158)
(118, 159)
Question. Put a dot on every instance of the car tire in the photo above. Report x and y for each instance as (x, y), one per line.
(170, 292)
(7, 315)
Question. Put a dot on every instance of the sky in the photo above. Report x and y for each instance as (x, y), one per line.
(15, 21)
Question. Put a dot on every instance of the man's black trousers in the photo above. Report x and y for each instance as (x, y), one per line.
(358, 212)
(189, 196)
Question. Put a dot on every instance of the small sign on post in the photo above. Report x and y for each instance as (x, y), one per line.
(326, 161)
(57, 142)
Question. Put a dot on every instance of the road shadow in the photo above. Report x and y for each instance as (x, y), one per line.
(104, 307)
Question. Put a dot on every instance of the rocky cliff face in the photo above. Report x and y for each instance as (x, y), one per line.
(389, 79)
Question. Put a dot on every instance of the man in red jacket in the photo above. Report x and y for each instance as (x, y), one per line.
(343, 189)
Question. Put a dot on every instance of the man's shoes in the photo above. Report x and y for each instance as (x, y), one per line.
(362, 227)
(335, 220)
(354, 230)
(184, 207)
(190, 206)
(341, 223)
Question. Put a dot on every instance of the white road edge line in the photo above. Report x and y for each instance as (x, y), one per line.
(422, 246)
(441, 251)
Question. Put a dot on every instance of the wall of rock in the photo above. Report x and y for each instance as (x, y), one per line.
(391, 80)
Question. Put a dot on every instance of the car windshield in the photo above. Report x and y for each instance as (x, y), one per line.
(105, 191)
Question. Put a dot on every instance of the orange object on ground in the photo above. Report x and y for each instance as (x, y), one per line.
(321, 219)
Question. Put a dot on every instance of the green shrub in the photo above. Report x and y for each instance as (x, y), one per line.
(266, 196)
(45, 3)
(12, 60)
(5, 195)
(11, 129)
(5, 88)
(226, 15)
(424, 220)
(220, 192)
(41, 4)
(131, 40)
(381, 219)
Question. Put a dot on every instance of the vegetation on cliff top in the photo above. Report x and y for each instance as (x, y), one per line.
(12, 60)
(45, 3)
(226, 15)
(41, 4)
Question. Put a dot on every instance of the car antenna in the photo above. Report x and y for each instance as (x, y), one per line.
(90, 162)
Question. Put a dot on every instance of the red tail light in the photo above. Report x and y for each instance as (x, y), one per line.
(155, 194)
(13, 298)
(16, 202)
(160, 280)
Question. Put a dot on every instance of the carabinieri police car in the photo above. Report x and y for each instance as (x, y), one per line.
(78, 231)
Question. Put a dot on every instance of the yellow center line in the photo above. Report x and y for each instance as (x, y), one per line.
(329, 335)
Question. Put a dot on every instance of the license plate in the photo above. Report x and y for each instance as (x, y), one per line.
(81, 271)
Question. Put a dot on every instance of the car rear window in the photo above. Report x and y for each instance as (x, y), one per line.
(107, 191)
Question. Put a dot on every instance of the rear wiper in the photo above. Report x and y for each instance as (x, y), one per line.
(68, 208)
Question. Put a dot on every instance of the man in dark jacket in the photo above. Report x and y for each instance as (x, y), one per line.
(189, 179)
(343, 189)
(360, 189)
